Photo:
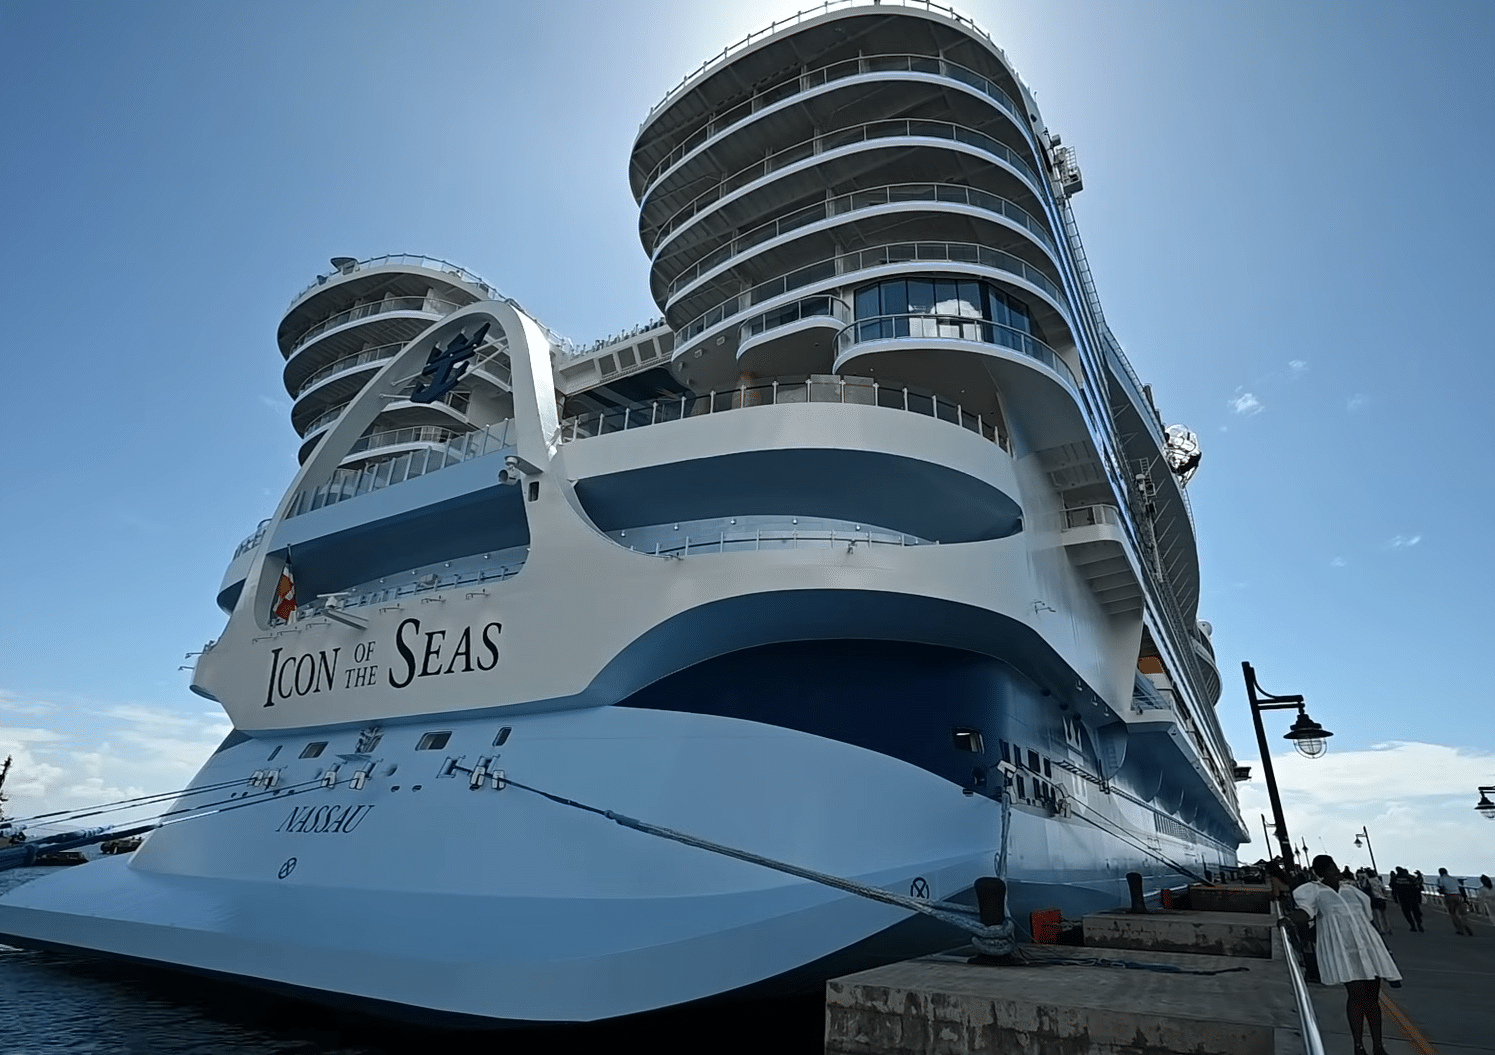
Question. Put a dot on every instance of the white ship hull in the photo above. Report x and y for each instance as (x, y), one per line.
(873, 543)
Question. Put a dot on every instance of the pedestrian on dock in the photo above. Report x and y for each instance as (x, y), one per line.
(1484, 896)
(1408, 894)
(1453, 900)
(1376, 891)
(1350, 952)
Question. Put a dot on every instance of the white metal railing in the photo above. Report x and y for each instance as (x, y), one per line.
(861, 391)
(841, 205)
(876, 256)
(1313, 1042)
(434, 306)
(430, 263)
(956, 328)
(834, 140)
(351, 362)
(816, 12)
(797, 83)
(252, 540)
(327, 417)
(827, 307)
(453, 450)
(753, 541)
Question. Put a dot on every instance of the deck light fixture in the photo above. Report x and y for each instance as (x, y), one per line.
(1307, 736)
(1485, 806)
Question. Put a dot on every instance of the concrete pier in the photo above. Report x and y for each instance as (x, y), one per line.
(1068, 1000)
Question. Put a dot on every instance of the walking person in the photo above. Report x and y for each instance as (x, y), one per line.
(1453, 900)
(1408, 894)
(1376, 891)
(1484, 895)
(1350, 952)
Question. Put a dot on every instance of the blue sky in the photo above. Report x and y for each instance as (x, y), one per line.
(1287, 211)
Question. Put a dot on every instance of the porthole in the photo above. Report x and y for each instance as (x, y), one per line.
(433, 741)
(503, 736)
(274, 753)
(313, 750)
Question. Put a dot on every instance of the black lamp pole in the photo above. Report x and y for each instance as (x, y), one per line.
(1365, 832)
(1307, 734)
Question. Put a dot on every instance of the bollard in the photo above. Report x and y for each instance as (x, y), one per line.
(991, 900)
(1134, 884)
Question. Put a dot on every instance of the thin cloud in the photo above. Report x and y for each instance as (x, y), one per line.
(280, 406)
(1338, 562)
(1416, 798)
(1404, 541)
(1296, 368)
(1359, 401)
(1246, 405)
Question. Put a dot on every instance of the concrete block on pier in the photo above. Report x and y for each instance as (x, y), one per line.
(1219, 898)
(1200, 933)
(946, 1006)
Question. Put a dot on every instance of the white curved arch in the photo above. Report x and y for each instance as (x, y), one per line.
(535, 420)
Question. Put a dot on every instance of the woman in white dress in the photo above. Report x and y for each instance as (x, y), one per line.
(1350, 952)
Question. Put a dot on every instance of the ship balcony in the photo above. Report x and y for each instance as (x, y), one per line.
(864, 70)
(796, 338)
(843, 449)
(848, 105)
(397, 262)
(387, 441)
(789, 174)
(424, 310)
(1095, 541)
(362, 362)
(864, 216)
(865, 265)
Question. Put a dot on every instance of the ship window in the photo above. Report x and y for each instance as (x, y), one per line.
(313, 750)
(1022, 792)
(1033, 761)
(433, 741)
(274, 753)
(534, 490)
(502, 737)
(969, 740)
(1005, 757)
(1048, 770)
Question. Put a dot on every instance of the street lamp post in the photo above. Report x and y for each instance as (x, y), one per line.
(1307, 736)
(1364, 832)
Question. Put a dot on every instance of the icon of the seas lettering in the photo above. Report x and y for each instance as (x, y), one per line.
(300, 675)
(431, 653)
(331, 819)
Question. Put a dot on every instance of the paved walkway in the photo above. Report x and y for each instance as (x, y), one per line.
(1446, 1005)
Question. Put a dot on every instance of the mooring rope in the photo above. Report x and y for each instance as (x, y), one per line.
(992, 940)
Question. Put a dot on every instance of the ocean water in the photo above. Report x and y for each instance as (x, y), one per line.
(53, 1003)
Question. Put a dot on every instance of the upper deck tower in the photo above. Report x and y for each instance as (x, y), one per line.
(833, 190)
(341, 329)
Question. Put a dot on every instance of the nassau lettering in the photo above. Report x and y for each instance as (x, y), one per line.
(324, 820)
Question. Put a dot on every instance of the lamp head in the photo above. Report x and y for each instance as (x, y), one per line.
(1308, 736)
(1485, 806)
(1357, 842)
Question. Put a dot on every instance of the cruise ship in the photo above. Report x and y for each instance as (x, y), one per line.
(574, 682)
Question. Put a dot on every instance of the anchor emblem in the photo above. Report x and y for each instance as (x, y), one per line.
(446, 366)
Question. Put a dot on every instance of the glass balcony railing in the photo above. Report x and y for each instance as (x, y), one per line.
(877, 256)
(841, 205)
(843, 137)
(953, 328)
(831, 308)
(430, 263)
(433, 306)
(447, 448)
(803, 82)
(861, 391)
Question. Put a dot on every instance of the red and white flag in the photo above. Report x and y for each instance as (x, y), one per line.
(285, 596)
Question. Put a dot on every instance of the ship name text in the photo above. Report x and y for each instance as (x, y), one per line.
(421, 654)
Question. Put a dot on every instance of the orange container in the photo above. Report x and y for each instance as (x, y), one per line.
(1045, 926)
